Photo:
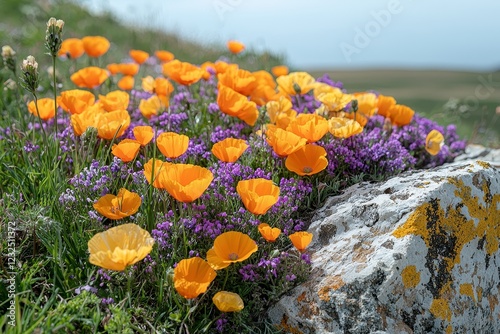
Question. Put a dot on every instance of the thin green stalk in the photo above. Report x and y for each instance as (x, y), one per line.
(55, 102)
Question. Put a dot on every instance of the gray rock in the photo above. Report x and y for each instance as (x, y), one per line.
(418, 253)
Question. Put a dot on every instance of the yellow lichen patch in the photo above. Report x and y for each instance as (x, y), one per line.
(449, 329)
(416, 224)
(467, 289)
(441, 309)
(410, 276)
(286, 327)
(333, 283)
(483, 164)
(479, 293)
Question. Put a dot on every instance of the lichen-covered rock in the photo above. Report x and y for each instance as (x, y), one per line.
(418, 253)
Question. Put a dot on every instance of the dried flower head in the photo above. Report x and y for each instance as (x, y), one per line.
(29, 78)
(8, 58)
(53, 36)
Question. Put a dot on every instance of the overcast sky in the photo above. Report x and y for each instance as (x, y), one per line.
(447, 34)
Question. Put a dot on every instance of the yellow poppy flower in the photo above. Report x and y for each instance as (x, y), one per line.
(120, 247)
(192, 277)
(153, 106)
(258, 195)
(230, 247)
(228, 301)
(341, 127)
(124, 204)
(295, 83)
(434, 142)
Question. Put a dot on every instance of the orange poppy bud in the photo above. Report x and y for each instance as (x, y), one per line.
(258, 195)
(45, 107)
(235, 46)
(301, 240)
(95, 46)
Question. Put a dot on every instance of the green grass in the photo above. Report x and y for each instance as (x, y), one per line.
(427, 92)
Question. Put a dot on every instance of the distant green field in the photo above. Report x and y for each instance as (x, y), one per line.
(427, 92)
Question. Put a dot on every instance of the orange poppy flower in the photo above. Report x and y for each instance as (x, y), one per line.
(192, 277)
(183, 73)
(95, 46)
(88, 118)
(344, 128)
(124, 204)
(159, 86)
(238, 80)
(185, 182)
(279, 70)
(172, 145)
(301, 240)
(113, 124)
(113, 68)
(296, 83)
(258, 195)
(222, 66)
(45, 107)
(264, 78)
(230, 247)
(235, 46)
(263, 94)
(269, 233)
(164, 56)
(75, 101)
(71, 48)
(235, 104)
(384, 103)
(284, 142)
(309, 126)
(120, 246)
(143, 134)
(126, 82)
(367, 103)
(89, 77)
(139, 56)
(309, 160)
(154, 170)
(114, 100)
(128, 68)
(284, 119)
(229, 149)
(434, 142)
(400, 115)
(228, 301)
(153, 106)
(126, 150)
